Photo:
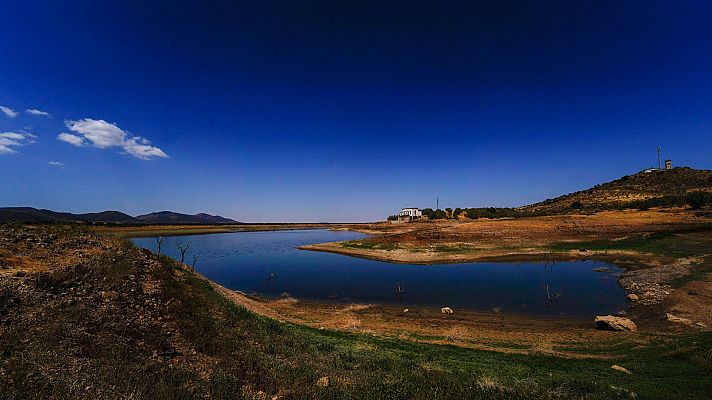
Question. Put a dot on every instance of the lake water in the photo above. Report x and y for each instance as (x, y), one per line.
(268, 264)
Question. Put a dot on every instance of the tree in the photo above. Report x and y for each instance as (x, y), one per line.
(448, 212)
(428, 212)
(695, 199)
(457, 212)
(576, 205)
(159, 242)
(192, 267)
(183, 247)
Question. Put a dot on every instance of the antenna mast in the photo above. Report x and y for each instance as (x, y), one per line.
(660, 150)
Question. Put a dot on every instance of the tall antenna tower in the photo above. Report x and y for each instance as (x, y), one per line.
(437, 203)
(660, 150)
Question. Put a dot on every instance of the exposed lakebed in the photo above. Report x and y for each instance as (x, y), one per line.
(268, 264)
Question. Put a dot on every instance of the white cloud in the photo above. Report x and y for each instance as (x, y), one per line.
(102, 134)
(8, 111)
(8, 140)
(56, 164)
(71, 139)
(39, 113)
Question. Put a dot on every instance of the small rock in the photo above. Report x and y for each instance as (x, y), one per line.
(323, 382)
(621, 369)
(405, 311)
(677, 320)
(447, 310)
(611, 323)
(633, 297)
(20, 273)
(602, 269)
(701, 325)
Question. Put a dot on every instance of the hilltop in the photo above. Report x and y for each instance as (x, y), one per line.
(174, 218)
(630, 189)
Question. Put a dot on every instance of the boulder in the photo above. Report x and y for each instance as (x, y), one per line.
(621, 369)
(447, 310)
(677, 320)
(611, 323)
(633, 297)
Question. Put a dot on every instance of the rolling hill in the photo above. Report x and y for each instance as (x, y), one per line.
(636, 187)
(34, 215)
(174, 218)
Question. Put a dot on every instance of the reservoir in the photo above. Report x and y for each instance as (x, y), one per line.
(268, 264)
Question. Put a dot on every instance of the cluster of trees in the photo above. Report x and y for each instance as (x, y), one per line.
(474, 213)
(699, 199)
(693, 199)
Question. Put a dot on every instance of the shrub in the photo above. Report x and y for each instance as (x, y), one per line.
(576, 205)
(697, 199)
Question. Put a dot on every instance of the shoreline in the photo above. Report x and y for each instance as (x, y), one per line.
(622, 259)
(183, 230)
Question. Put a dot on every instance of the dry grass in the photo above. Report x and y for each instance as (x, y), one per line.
(349, 322)
(457, 333)
(543, 347)
(357, 307)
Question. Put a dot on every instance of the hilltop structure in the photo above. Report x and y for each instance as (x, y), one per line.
(409, 214)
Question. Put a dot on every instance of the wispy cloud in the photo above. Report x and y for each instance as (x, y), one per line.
(36, 112)
(72, 139)
(56, 164)
(8, 111)
(8, 140)
(102, 134)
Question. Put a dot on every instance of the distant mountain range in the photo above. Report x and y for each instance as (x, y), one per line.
(34, 215)
(174, 218)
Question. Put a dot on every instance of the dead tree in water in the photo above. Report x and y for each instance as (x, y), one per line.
(159, 242)
(554, 298)
(270, 274)
(183, 248)
(400, 288)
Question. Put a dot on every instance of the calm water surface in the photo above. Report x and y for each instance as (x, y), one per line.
(268, 264)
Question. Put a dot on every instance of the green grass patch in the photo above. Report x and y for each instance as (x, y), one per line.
(369, 245)
(676, 245)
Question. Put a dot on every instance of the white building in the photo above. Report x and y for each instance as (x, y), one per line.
(411, 212)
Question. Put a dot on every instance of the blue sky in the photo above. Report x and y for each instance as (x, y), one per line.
(343, 111)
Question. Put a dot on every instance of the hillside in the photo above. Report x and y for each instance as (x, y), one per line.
(174, 218)
(34, 215)
(620, 192)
